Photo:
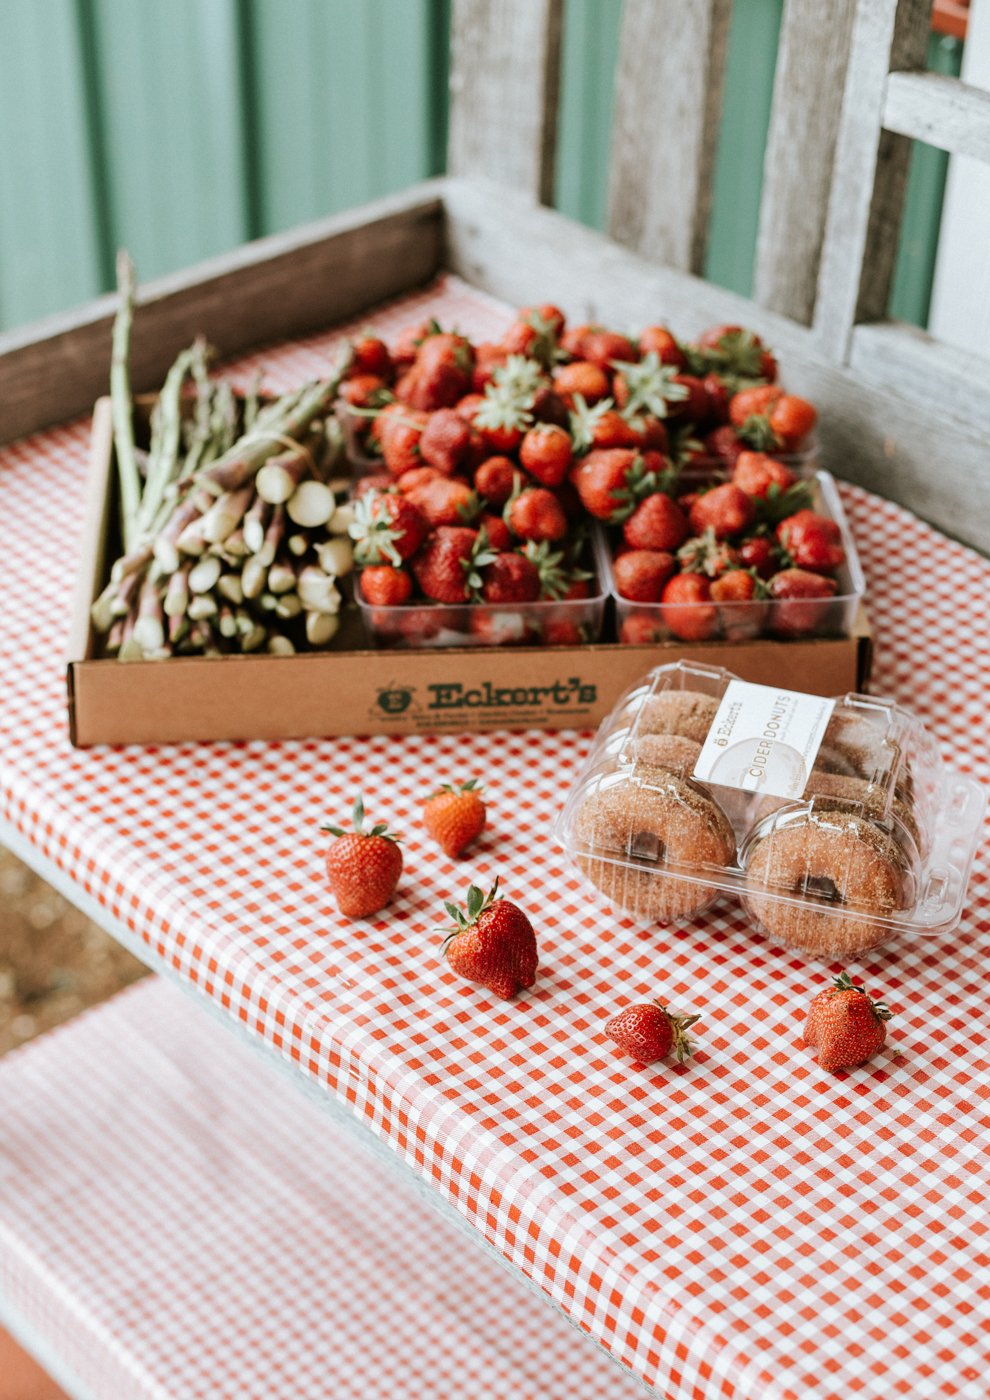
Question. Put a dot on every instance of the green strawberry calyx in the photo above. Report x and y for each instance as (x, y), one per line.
(476, 905)
(680, 1025)
(844, 983)
(379, 829)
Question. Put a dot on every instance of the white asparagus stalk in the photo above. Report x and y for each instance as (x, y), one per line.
(342, 519)
(178, 629)
(165, 543)
(253, 577)
(230, 588)
(132, 562)
(114, 637)
(281, 578)
(255, 524)
(336, 556)
(177, 592)
(273, 537)
(130, 648)
(288, 606)
(298, 545)
(280, 646)
(318, 591)
(191, 540)
(245, 622)
(227, 622)
(204, 574)
(321, 628)
(202, 607)
(254, 639)
(279, 477)
(126, 593)
(268, 602)
(225, 514)
(149, 628)
(236, 545)
(311, 504)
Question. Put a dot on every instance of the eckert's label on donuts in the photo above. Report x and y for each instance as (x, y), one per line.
(764, 740)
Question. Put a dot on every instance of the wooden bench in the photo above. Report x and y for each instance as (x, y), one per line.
(177, 1221)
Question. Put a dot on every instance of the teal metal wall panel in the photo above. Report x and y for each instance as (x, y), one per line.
(590, 51)
(50, 229)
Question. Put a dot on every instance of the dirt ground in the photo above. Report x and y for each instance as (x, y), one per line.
(53, 962)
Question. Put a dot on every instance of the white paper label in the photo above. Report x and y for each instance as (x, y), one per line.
(764, 739)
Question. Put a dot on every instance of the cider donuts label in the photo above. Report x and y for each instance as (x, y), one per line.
(764, 739)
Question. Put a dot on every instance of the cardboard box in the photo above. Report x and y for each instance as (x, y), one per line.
(345, 691)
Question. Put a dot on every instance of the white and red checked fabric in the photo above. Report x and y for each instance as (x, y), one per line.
(744, 1227)
(176, 1221)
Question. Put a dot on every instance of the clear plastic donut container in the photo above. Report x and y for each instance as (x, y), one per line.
(833, 822)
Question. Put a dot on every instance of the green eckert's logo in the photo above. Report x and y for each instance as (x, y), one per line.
(394, 699)
(572, 693)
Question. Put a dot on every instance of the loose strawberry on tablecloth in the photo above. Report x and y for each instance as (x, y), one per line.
(363, 867)
(845, 1026)
(492, 943)
(649, 1032)
(455, 816)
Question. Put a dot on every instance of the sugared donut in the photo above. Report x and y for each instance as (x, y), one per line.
(834, 854)
(670, 751)
(639, 829)
(872, 799)
(685, 712)
(859, 746)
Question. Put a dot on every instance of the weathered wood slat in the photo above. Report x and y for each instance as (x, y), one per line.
(869, 173)
(954, 384)
(286, 285)
(668, 104)
(504, 89)
(797, 166)
(933, 463)
(942, 111)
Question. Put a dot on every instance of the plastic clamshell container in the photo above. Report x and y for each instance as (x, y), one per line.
(420, 623)
(770, 617)
(879, 843)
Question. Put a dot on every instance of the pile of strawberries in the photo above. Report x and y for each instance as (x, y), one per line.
(488, 463)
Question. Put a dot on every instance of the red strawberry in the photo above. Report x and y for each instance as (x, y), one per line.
(408, 341)
(725, 509)
(753, 403)
(510, 578)
(725, 444)
(660, 341)
(455, 816)
(759, 554)
(387, 528)
(410, 481)
(495, 479)
(704, 554)
(558, 632)
(641, 629)
(609, 429)
(648, 1032)
(688, 611)
(716, 412)
(740, 596)
(443, 565)
(535, 333)
(640, 574)
(488, 357)
(603, 348)
(363, 867)
(371, 356)
(493, 627)
(791, 420)
(445, 440)
(756, 473)
(445, 501)
(845, 1026)
(442, 371)
(400, 435)
(546, 453)
(377, 482)
(384, 586)
(813, 541)
(581, 378)
(611, 480)
(803, 601)
(536, 514)
(657, 523)
(365, 391)
(493, 944)
(498, 534)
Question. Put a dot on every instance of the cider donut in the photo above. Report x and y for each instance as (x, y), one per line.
(640, 828)
(846, 789)
(833, 853)
(688, 713)
(672, 752)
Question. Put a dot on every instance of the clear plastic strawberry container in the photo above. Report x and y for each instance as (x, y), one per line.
(421, 623)
(835, 824)
(779, 618)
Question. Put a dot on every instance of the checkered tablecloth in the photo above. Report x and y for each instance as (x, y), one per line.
(176, 1222)
(743, 1227)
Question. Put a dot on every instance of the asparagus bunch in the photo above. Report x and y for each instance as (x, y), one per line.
(234, 539)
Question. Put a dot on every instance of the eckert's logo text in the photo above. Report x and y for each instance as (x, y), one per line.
(487, 696)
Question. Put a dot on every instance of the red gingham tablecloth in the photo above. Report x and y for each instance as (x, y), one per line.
(745, 1226)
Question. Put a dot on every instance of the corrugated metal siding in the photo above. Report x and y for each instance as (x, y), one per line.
(180, 128)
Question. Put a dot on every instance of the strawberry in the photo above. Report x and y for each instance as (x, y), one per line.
(400, 436)
(387, 528)
(374, 484)
(365, 391)
(694, 404)
(756, 473)
(740, 596)
(363, 867)
(737, 355)
(410, 482)
(610, 429)
(495, 479)
(536, 332)
(445, 440)
(510, 578)
(610, 481)
(753, 403)
(791, 420)
(445, 501)
(493, 943)
(650, 386)
(641, 629)
(845, 1026)
(371, 356)
(658, 340)
(488, 357)
(408, 341)
(455, 816)
(604, 348)
(502, 418)
(441, 371)
(725, 444)
(657, 523)
(725, 509)
(648, 1032)
(536, 514)
(581, 377)
(688, 611)
(384, 586)
(803, 601)
(704, 554)
(546, 453)
(445, 564)
(493, 627)
(498, 533)
(759, 554)
(812, 541)
(559, 632)
(716, 412)
(549, 407)
(640, 574)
